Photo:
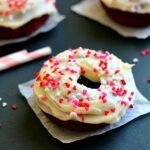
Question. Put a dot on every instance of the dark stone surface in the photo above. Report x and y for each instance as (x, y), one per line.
(21, 129)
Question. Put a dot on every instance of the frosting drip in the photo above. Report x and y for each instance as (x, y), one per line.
(57, 92)
(16, 13)
(136, 6)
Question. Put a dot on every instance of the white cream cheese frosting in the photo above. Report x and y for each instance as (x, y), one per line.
(136, 6)
(58, 93)
(16, 13)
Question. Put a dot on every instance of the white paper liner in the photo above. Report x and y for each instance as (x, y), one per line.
(51, 23)
(92, 9)
(141, 107)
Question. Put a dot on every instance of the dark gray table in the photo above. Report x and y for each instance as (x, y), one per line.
(21, 130)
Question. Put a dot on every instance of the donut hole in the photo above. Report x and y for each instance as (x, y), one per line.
(88, 83)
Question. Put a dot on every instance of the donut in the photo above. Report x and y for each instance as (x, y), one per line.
(84, 89)
(20, 18)
(134, 13)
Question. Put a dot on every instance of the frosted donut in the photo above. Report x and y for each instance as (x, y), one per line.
(59, 94)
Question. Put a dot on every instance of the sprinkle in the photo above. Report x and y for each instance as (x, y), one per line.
(61, 100)
(0, 99)
(69, 99)
(4, 104)
(113, 109)
(82, 118)
(117, 71)
(82, 70)
(132, 93)
(145, 52)
(129, 98)
(74, 87)
(148, 80)
(43, 98)
(124, 103)
(14, 106)
(70, 78)
(131, 106)
(95, 70)
(69, 92)
(106, 112)
(135, 60)
(84, 92)
(123, 82)
(67, 84)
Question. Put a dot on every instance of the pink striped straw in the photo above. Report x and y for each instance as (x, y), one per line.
(21, 57)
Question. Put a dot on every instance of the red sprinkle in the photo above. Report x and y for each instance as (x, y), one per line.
(43, 98)
(123, 82)
(82, 70)
(74, 87)
(106, 112)
(148, 80)
(95, 70)
(69, 92)
(61, 100)
(130, 106)
(145, 52)
(82, 118)
(113, 109)
(14, 106)
(67, 84)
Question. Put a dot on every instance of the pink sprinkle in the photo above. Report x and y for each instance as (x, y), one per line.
(129, 98)
(69, 99)
(99, 90)
(75, 102)
(84, 92)
(45, 65)
(124, 103)
(70, 49)
(106, 72)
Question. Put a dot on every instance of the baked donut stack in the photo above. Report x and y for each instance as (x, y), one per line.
(73, 104)
(134, 13)
(20, 18)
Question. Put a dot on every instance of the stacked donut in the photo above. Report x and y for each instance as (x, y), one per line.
(19, 18)
(128, 12)
(72, 104)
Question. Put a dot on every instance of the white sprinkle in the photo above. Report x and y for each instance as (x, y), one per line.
(135, 60)
(0, 99)
(4, 104)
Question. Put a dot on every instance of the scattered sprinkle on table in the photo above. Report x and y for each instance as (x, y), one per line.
(145, 52)
(148, 80)
(135, 60)
(4, 104)
(14, 106)
(0, 99)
